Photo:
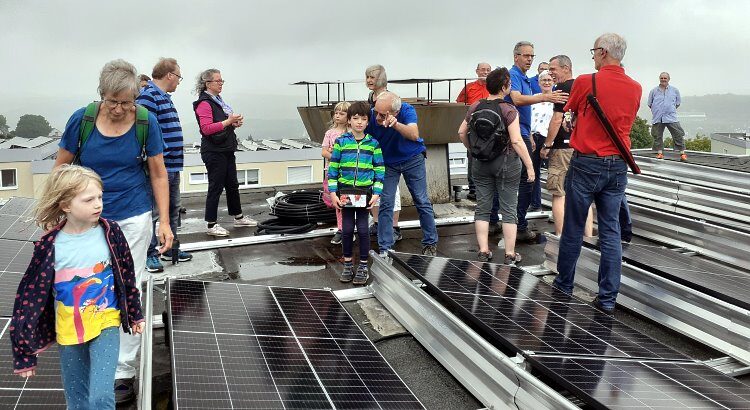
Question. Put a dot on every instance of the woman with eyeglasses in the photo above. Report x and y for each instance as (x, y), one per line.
(541, 114)
(131, 167)
(217, 122)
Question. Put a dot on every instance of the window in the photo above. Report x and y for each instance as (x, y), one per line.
(198, 178)
(8, 179)
(248, 177)
(457, 161)
(299, 175)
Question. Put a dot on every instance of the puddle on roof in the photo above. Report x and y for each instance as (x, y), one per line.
(259, 268)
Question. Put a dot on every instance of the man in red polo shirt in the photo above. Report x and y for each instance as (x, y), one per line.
(597, 172)
(471, 93)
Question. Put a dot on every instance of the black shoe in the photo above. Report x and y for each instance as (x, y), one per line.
(526, 236)
(484, 256)
(512, 260)
(534, 209)
(336, 240)
(363, 273)
(347, 274)
(471, 196)
(429, 250)
(374, 229)
(182, 256)
(397, 234)
(124, 390)
(598, 306)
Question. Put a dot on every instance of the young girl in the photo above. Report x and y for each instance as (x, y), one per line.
(338, 127)
(78, 289)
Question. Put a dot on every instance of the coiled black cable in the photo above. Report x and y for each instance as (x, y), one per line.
(297, 212)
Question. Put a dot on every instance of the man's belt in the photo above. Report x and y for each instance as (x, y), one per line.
(606, 157)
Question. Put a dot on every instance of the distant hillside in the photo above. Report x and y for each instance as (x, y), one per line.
(724, 113)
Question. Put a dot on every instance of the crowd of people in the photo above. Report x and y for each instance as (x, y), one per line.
(118, 170)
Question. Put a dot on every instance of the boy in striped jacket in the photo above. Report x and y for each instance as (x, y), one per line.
(356, 167)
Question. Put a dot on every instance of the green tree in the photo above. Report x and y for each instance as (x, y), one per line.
(32, 126)
(699, 143)
(639, 135)
(3, 125)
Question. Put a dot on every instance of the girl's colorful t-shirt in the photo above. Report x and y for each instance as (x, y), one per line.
(85, 298)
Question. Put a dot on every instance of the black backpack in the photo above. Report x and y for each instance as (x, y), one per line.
(488, 135)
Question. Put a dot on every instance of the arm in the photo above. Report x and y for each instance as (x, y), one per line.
(408, 131)
(520, 147)
(160, 188)
(333, 175)
(678, 100)
(127, 274)
(378, 166)
(650, 98)
(554, 128)
(63, 157)
(555, 97)
(462, 96)
(206, 118)
(463, 132)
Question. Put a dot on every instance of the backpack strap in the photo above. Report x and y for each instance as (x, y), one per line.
(87, 127)
(141, 127)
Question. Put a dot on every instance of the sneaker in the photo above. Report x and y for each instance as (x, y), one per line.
(217, 230)
(347, 274)
(374, 229)
(512, 260)
(153, 264)
(336, 240)
(471, 196)
(534, 209)
(363, 273)
(659, 155)
(245, 221)
(598, 306)
(124, 391)
(182, 256)
(397, 234)
(484, 256)
(683, 157)
(383, 254)
(526, 235)
(429, 250)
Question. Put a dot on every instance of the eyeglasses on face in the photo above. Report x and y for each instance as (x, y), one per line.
(112, 104)
(216, 81)
(179, 77)
(593, 50)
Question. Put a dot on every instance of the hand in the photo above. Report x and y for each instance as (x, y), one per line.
(373, 201)
(390, 121)
(557, 97)
(544, 153)
(533, 143)
(330, 149)
(28, 373)
(139, 328)
(531, 175)
(165, 238)
(335, 201)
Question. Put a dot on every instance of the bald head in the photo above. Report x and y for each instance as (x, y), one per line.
(482, 70)
(388, 102)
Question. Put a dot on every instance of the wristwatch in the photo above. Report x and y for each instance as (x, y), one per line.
(545, 146)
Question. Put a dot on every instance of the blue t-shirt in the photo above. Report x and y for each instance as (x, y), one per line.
(117, 160)
(534, 81)
(519, 82)
(396, 149)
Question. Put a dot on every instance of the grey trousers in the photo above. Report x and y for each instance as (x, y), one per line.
(678, 134)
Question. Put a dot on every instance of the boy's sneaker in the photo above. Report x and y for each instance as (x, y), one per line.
(182, 256)
(484, 256)
(153, 265)
(397, 234)
(124, 390)
(659, 155)
(348, 273)
(336, 240)
(429, 250)
(245, 221)
(683, 157)
(217, 230)
(363, 273)
(512, 260)
(374, 229)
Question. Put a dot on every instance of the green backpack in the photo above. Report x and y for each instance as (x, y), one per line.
(89, 121)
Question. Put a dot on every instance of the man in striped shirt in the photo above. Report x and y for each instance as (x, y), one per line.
(154, 96)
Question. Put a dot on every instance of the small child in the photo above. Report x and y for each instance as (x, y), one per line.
(338, 127)
(78, 289)
(356, 166)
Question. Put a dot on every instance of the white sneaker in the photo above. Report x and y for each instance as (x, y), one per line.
(217, 230)
(245, 221)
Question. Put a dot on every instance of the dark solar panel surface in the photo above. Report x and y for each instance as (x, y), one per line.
(16, 220)
(246, 346)
(41, 391)
(14, 259)
(525, 314)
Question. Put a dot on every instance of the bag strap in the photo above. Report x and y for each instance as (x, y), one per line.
(593, 84)
(141, 127)
(87, 127)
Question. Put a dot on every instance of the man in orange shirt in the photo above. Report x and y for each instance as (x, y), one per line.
(471, 93)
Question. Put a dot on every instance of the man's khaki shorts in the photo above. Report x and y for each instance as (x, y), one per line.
(559, 162)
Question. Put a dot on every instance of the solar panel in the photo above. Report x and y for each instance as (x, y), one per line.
(43, 390)
(626, 384)
(14, 259)
(16, 220)
(525, 314)
(249, 346)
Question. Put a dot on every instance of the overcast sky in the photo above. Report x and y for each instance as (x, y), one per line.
(51, 52)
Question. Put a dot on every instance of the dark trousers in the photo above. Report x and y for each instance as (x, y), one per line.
(173, 179)
(626, 224)
(524, 192)
(536, 159)
(348, 216)
(469, 173)
(222, 175)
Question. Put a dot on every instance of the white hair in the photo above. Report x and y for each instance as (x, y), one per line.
(614, 44)
(544, 73)
(395, 100)
(117, 76)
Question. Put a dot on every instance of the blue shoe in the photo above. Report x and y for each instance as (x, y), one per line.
(182, 256)
(153, 264)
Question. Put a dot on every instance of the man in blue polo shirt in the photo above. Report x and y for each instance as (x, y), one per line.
(522, 96)
(154, 96)
(394, 125)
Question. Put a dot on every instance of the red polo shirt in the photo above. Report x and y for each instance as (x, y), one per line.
(619, 96)
(475, 90)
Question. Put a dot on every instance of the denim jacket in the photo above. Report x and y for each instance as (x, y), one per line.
(32, 328)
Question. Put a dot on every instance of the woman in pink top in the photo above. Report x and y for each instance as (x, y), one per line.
(217, 122)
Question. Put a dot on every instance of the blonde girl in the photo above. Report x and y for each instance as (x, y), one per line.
(338, 127)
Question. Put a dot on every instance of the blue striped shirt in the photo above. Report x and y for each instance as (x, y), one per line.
(160, 103)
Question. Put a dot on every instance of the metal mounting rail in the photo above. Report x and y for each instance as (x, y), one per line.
(724, 179)
(711, 321)
(494, 379)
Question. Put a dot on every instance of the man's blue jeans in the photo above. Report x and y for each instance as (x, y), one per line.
(88, 371)
(536, 159)
(602, 181)
(524, 192)
(415, 175)
(173, 179)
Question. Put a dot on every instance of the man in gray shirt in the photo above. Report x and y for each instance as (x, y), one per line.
(663, 101)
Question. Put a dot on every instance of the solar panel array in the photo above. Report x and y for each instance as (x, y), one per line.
(17, 233)
(604, 362)
(249, 346)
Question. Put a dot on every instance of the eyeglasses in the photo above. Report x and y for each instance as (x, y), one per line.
(178, 76)
(526, 55)
(112, 104)
(593, 50)
(216, 81)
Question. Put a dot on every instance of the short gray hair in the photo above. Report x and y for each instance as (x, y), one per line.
(118, 76)
(395, 100)
(544, 73)
(614, 44)
(378, 72)
(562, 61)
(664, 72)
(204, 77)
(517, 48)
